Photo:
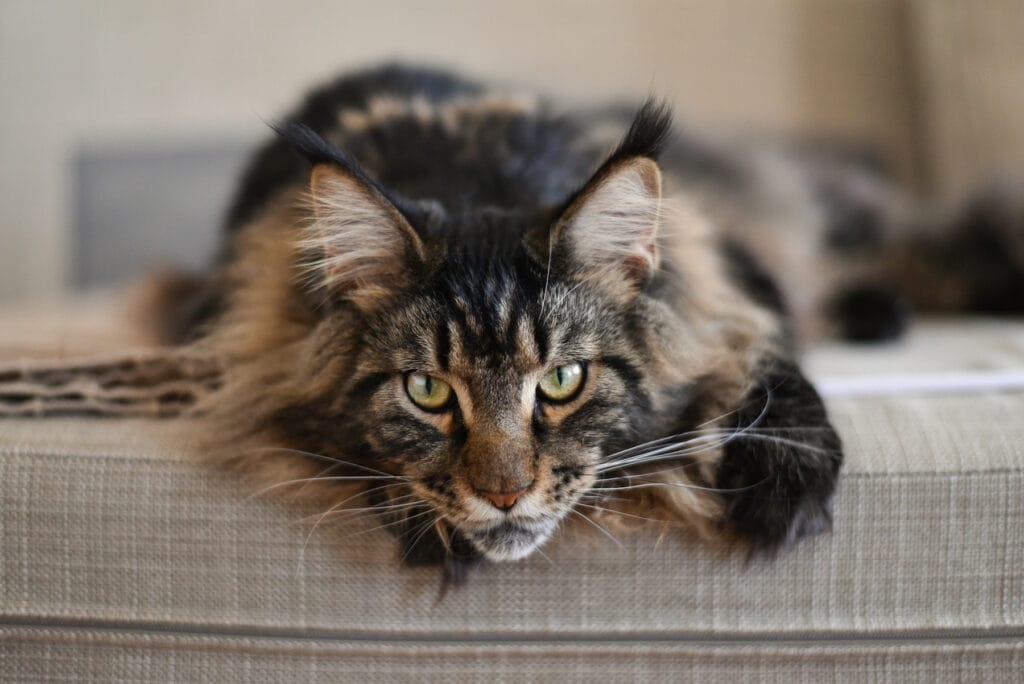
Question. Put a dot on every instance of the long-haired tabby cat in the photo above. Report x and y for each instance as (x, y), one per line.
(483, 315)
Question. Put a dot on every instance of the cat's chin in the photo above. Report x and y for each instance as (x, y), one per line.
(510, 541)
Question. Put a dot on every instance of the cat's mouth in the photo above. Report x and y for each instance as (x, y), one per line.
(511, 540)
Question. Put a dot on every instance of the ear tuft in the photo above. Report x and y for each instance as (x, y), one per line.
(648, 134)
(316, 151)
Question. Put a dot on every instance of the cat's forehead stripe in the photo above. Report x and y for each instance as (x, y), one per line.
(540, 339)
(443, 344)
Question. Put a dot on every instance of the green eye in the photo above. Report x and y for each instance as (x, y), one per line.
(427, 392)
(563, 383)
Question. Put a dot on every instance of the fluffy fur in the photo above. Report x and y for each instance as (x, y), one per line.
(409, 221)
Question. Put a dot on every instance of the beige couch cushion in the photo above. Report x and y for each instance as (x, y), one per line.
(115, 546)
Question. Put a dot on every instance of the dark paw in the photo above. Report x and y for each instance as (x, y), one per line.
(780, 474)
(771, 522)
(871, 314)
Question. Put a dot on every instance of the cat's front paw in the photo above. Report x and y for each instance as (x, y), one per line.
(777, 493)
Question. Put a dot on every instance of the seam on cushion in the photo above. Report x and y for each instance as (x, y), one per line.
(932, 474)
(184, 460)
(899, 385)
(48, 451)
(198, 631)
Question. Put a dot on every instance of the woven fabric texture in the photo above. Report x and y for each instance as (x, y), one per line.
(61, 655)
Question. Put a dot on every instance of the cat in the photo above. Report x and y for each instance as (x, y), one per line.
(482, 315)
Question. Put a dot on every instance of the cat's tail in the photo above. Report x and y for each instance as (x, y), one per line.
(176, 306)
(970, 261)
(924, 259)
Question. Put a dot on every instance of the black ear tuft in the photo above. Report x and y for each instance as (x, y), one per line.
(647, 137)
(310, 144)
(648, 134)
(316, 150)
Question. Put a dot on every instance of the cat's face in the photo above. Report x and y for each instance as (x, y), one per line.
(497, 398)
(501, 354)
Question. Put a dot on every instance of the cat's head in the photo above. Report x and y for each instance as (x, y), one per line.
(501, 354)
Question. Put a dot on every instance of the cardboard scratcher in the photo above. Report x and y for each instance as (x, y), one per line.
(154, 383)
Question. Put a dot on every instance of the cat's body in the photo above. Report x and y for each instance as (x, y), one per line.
(504, 318)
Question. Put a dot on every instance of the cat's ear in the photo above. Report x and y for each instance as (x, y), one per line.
(365, 250)
(360, 246)
(611, 229)
(608, 233)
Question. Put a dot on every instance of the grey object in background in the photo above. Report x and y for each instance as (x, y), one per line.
(140, 208)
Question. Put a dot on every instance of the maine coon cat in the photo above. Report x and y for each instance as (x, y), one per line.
(482, 315)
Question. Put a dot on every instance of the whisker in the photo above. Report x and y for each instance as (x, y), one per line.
(332, 459)
(598, 527)
(681, 466)
(547, 275)
(645, 484)
(602, 497)
(739, 408)
(653, 443)
(324, 515)
(788, 442)
(670, 452)
(750, 435)
(700, 433)
(363, 492)
(322, 473)
(417, 538)
(545, 557)
(318, 478)
(341, 513)
(388, 524)
(645, 458)
(302, 553)
(623, 513)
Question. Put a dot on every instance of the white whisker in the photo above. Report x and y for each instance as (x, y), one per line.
(416, 540)
(318, 478)
(323, 516)
(660, 453)
(598, 527)
(389, 524)
(623, 513)
(337, 513)
(644, 485)
(333, 459)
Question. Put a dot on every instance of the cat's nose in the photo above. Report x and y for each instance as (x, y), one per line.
(505, 500)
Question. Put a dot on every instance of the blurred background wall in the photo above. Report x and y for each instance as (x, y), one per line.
(935, 87)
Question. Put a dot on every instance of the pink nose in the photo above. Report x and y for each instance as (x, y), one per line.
(504, 500)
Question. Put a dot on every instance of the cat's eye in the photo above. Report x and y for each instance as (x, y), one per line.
(563, 383)
(428, 392)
